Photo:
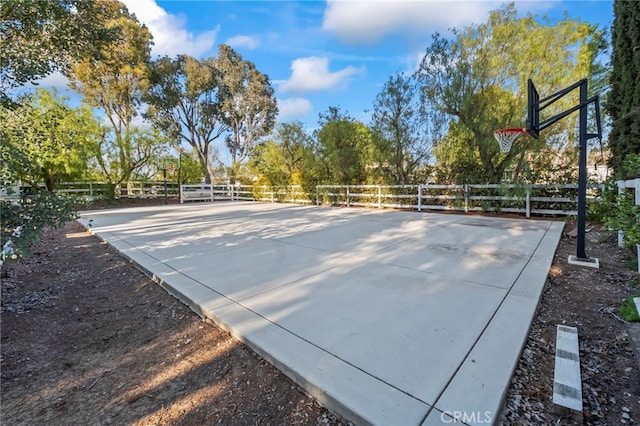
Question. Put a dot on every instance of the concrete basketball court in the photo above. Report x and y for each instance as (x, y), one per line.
(387, 317)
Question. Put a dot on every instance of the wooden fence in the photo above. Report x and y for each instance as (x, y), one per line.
(134, 189)
(559, 200)
(528, 200)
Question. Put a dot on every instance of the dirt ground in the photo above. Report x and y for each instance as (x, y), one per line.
(86, 338)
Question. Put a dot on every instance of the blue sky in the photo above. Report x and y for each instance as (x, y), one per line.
(334, 53)
(328, 53)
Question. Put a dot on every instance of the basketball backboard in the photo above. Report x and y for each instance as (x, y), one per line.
(533, 110)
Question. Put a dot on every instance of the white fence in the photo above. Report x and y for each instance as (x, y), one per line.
(531, 199)
(209, 192)
(528, 200)
(133, 189)
(520, 199)
(623, 185)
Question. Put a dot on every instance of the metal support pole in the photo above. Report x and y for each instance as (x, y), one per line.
(180, 175)
(582, 174)
(164, 173)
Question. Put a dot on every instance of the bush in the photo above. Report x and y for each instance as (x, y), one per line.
(619, 211)
(22, 221)
(626, 219)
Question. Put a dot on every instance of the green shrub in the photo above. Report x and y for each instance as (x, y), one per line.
(627, 309)
(22, 221)
(618, 211)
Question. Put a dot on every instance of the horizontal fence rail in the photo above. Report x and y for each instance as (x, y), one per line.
(559, 200)
(212, 192)
(528, 200)
(134, 189)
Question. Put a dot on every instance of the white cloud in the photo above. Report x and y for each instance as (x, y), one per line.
(170, 37)
(56, 81)
(243, 41)
(293, 108)
(313, 73)
(366, 21)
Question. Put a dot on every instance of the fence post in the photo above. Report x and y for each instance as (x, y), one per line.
(466, 198)
(347, 201)
(317, 195)
(420, 197)
(637, 200)
(620, 192)
(528, 201)
(379, 197)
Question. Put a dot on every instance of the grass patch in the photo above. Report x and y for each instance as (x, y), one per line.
(631, 262)
(627, 309)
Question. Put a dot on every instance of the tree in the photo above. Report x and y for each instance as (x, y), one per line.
(402, 129)
(344, 148)
(39, 37)
(456, 163)
(184, 103)
(45, 140)
(280, 160)
(114, 81)
(248, 103)
(623, 101)
(146, 146)
(190, 169)
(479, 79)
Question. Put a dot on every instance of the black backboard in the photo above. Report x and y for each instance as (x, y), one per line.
(533, 110)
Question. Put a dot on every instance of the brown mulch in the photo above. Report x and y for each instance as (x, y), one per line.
(585, 298)
(88, 339)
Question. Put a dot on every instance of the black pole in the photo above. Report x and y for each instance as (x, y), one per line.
(180, 177)
(164, 172)
(582, 174)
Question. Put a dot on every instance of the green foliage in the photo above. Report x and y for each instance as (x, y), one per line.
(344, 148)
(623, 102)
(190, 170)
(46, 141)
(605, 205)
(184, 103)
(627, 309)
(139, 158)
(22, 222)
(39, 37)
(248, 104)
(403, 130)
(279, 161)
(114, 79)
(456, 161)
(478, 80)
(625, 218)
(620, 211)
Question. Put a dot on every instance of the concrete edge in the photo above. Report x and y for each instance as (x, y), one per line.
(324, 397)
(520, 302)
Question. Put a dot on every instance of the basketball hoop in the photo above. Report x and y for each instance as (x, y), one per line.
(505, 137)
(171, 169)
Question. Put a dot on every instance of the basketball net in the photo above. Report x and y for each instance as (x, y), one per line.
(505, 137)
